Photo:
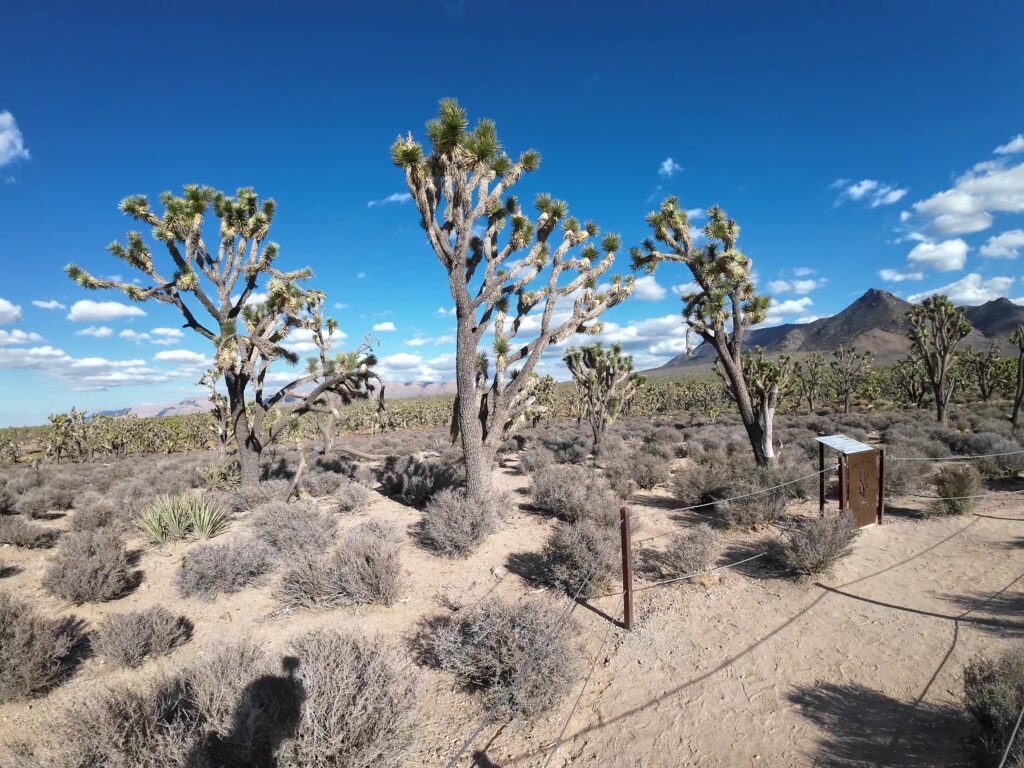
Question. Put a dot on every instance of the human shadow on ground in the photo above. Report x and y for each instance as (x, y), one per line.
(861, 727)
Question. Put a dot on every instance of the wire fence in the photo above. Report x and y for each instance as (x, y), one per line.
(955, 458)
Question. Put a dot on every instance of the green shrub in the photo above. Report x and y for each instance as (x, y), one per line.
(173, 518)
(955, 484)
(224, 475)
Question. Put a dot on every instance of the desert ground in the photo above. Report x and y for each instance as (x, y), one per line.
(741, 666)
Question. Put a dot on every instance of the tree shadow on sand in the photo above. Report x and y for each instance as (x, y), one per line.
(862, 727)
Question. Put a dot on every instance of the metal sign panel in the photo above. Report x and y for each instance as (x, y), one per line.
(844, 444)
(862, 486)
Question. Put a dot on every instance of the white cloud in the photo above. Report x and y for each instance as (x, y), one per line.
(87, 311)
(180, 356)
(167, 335)
(870, 191)
(1006, 245)
(446, 312)
(808, 319)
(84, 374)
(339, 305)
(401, 360)
(12, 143)
(300, 340)
(803, 271)
(669, 168)
(796, 286)
(422, 341)
(16, 336)
(131, 335)
(1012, 147)
(684, 288)
(947, 256)
(648, 289)
(9, 312)
(969, 206)
(971, 289)
(385, 326)
(790, 306)
(48, 304)
(394, 197)
(895, 276)
(96, 331)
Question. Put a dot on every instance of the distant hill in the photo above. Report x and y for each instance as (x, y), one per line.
(393, 390)
(876, 322)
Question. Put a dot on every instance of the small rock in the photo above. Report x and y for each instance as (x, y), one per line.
(499, 572)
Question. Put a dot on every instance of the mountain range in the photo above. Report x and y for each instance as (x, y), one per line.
(876, 322)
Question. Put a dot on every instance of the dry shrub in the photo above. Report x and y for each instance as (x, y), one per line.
(290, 530)
(955, 484)
(691, 551)
(645, 470)
(365, 569)
(35, 652)
(582, 557)
(574, 493)
(455, 526)
(814, 545)
(524, 656)
(903, 478)
(415, 480)
(43, 499)
(663, 442)
(994, 694)
(130, 637)
(94, 510)
(211, 569)
(360, 705)
(223, 475)
(90, 566)
(569, 450)
(350, 497)
(710, 477)
(536, 457)
(20, 533)
(323, 483)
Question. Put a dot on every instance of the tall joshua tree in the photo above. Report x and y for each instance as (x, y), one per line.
(501, 266)
(851, 368)
(986, 370)
(937, 328)
(1018, 392)
(217, 285)
(722, 308)
(605, 384)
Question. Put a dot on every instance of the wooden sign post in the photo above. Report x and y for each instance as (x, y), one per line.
(861, 478)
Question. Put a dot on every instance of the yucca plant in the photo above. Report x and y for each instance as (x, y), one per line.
(173, 518)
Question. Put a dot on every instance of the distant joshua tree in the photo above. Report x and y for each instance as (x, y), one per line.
(811, 379)
(605, 384)
(987, 370)
(851, 368)
(721, 309)
(501, 266)
(246, 337)
(938, 327)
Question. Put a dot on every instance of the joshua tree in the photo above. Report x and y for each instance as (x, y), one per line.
(767, 381)
(219, 409)
(495, 258)
(246, 337)
(724, 305)
(810, 379)
(986, 370)
(938, 328)
(1018, 393)
(908, 378)
(851, 368)
(605, 384)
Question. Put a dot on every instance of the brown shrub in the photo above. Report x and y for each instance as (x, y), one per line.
(90, 566)
(815, 544)
(365, 569)
(21, 533)
(129, 638)
(691, 551)
(524, 656)
(574, 493)
(955, 484)
(211, 569)
(582, 556)
(994, 694)
(35, 652)
(454, 526)
(290, 530)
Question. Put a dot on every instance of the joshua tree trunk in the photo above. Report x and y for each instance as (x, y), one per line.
(761, 447)
(247, 444)
(1018, 393)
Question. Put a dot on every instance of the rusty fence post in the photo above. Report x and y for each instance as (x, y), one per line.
(627, 569)
(821, 478)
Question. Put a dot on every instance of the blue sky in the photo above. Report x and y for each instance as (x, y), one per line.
(858, 146)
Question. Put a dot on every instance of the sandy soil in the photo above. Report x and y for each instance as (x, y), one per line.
(741, 668)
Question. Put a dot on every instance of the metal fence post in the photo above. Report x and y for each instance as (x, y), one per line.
(627, 570)
(881, 484)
